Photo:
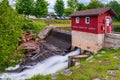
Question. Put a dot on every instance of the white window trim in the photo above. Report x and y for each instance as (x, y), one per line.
(77, 19)
(86, 20)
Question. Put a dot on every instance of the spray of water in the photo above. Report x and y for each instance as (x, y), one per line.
(48, 66)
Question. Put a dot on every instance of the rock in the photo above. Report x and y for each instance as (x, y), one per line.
(44, 33)
(112, 41)
(103, 51)
(117, 57)
(77, 63)
(54, 76)
(110, 78)
(112, 72)
(31, 48)
(118, 65)
(99, 55)
(78, 67)
(96, 79)
(27, 37)
(66, 72)
(12, 68)
(92, 60)
(100, 61)
(91, 57)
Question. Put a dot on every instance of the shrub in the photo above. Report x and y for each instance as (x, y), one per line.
(11, 26)
(30, 25)
(10, 32)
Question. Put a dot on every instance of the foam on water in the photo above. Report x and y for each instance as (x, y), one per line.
(48, 66)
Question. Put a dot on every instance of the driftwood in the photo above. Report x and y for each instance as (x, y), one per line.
(78, 56)
(72, 59)
(29, 44)
(27, 37)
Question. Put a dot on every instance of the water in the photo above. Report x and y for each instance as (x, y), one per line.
(48, 66)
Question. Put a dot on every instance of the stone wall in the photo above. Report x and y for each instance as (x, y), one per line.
(45, 32)
(112, 41)
(87, 41)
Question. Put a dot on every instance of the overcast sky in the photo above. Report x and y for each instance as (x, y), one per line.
(52, 3)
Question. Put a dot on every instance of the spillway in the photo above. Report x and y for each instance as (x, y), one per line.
(48, 66)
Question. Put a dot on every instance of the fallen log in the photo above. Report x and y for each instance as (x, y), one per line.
(73, 59)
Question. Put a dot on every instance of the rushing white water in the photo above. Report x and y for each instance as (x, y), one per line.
(48, 66)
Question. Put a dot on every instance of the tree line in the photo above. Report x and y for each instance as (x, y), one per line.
(39, 8)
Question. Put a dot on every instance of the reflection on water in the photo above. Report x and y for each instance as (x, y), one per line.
(116, 28)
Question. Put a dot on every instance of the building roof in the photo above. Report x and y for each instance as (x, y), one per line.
(93, 12)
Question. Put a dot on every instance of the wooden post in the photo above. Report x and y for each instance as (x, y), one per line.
(82, 51)
(71, 61)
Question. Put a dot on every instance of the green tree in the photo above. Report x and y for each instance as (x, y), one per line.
(25, 6)
(73, 4)
(10, 32)
(41, 8)
(59, 7)
(68, 11)
(81, 7)
(116, 7)
(95, 4)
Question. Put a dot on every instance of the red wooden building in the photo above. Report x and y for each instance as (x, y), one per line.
(89, 27)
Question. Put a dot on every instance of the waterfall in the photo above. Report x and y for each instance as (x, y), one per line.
(48, 66)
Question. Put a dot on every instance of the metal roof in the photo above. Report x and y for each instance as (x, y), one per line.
(94, 12)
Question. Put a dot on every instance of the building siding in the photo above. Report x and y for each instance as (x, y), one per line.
(96, 26)
(101, 24)
(82, 26)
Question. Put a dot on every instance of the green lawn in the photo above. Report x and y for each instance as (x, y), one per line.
(54, 23)
(59, 23)
(97, 67)
(66, 23)
(116, 23)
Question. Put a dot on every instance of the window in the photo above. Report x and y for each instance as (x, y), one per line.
(87, 20)
(77, 19)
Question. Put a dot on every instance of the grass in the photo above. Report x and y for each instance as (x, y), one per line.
(116, 23)
(97, 67)
(40, 77)
(62, 23)
(56, 23)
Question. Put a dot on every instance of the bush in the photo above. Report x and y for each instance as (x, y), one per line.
(11, 26)
(30, 25)
(10, 32)
(38, 27)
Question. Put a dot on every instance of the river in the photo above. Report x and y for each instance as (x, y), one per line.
(48, 66)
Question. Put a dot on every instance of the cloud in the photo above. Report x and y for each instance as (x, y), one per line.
(52, 3)
(86, 2)
(0, 0)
